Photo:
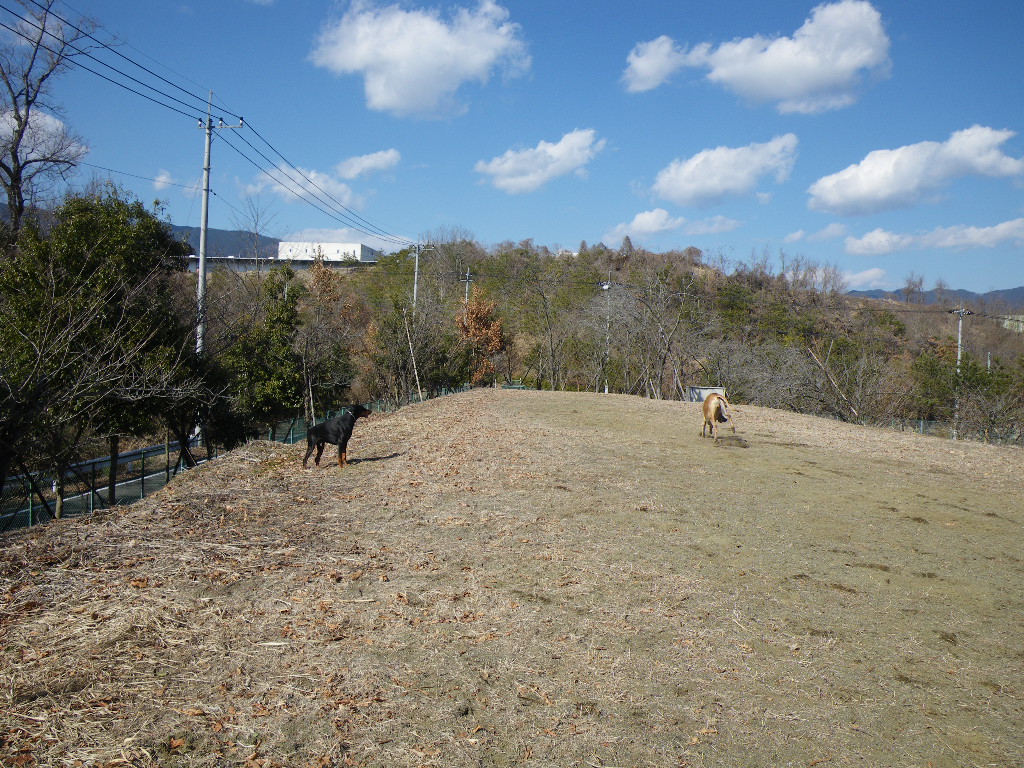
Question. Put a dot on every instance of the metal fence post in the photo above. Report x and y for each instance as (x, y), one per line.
(142, 478)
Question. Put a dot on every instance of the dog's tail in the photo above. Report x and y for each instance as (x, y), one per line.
(724, 410)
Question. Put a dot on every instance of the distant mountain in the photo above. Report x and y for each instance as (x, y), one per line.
(1012, 297)
(224, 242)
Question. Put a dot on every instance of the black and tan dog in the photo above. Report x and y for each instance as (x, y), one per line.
(335, 431)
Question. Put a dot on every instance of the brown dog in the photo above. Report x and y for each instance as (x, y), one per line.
(716, 410)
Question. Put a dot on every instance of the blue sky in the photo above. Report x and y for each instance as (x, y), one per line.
(883, 137)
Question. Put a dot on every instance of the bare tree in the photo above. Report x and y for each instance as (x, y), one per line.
(324, 339)
(89, 335)
(59, 372)
(913, 288)
(257, 222)
(453, 252)
(36, 148)
(656, 309)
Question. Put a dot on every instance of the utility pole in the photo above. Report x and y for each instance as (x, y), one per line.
(606, 287)
(416, 273)
(207, 125)
(959, 353)
(416, 277)
(467, 280)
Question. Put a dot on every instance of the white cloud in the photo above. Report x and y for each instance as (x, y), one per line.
(962, 237)
(866, 280)
(898, 178)
(163, 180)
(879, 242)
(819, 68)
(413, 62)
(830, 232)
(649, 223)
(44, 136)
(652, 63)
(713, 174)
(354, 167)
(645, 224)
(525, 170)
(292, 185)
(711, 226)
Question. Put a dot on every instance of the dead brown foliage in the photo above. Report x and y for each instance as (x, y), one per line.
(537, 579)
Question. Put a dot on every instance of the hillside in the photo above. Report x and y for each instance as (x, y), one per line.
(226, 242)
(537, 579)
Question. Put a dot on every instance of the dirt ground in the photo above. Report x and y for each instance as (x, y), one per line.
(534, 579)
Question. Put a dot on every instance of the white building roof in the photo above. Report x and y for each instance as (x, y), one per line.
(333, 252)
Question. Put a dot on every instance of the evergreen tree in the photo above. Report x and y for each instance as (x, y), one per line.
(88, 327)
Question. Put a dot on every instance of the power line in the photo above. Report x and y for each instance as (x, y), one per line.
(315, 202)
(191, 187)
(137, 176)
(141, 53)
(341, 205)
(324, 201)
(113, 50)
(88, 55)
(347, 216)
(377, 230)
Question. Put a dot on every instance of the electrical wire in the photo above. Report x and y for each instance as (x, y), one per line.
(137, 176)
(367, 227)
(113, 50)
(88, 55)
(316, 202)
(320, 199)
(346, 215)
(310, 181)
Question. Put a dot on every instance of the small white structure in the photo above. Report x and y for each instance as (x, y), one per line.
(296, 255)
(304, 254)
(699, 394)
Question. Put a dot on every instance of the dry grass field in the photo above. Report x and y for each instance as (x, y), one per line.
(513, 578)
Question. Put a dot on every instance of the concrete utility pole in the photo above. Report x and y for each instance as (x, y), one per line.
(606, 287)
(959, 353)
(207, 125)
(416, 273)
(467, 280)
